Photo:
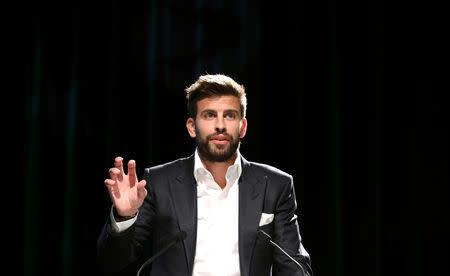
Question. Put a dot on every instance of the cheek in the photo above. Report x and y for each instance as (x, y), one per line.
(200, 131)
(236, 131)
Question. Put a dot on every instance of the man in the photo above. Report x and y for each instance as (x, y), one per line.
(219, 199)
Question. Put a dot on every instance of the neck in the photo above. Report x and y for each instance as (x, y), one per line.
(219, 169)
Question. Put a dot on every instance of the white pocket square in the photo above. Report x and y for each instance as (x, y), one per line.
(265, 219)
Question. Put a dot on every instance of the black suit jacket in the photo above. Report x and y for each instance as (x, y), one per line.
(171, 207)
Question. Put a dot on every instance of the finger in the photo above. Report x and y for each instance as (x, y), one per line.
(132, 172)
(142, 192)
(142, 184)
(110, 182)
(114, 174)
(112, 188)
(118, 163)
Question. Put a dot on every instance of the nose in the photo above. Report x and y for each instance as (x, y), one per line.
(220, 125)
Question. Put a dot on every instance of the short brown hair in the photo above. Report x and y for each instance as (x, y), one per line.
(208, 86)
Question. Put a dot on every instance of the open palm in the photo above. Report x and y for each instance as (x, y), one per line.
(126, 192)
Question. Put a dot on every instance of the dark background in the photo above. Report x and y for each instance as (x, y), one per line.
(348, 97)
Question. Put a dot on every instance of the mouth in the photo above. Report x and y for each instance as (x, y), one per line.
(220, 139)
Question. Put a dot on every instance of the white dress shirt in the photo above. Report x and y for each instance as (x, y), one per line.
(217, 250)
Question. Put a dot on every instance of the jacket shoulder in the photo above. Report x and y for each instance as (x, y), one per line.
(268, 170)
(174, 166)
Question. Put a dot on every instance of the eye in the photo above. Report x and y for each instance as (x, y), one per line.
(230, 116)
(209, 115)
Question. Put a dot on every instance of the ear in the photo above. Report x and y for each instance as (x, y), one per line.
(243, 128)
(190, 125)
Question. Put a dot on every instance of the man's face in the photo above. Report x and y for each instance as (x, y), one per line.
(218, 127)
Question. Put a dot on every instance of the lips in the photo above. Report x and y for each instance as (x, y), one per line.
(220, 139)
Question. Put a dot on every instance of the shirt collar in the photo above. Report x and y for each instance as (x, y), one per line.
(234, 171)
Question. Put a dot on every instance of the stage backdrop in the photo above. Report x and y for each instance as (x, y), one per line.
(348, 97)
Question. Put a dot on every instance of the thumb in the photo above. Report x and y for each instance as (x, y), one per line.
(142, 192)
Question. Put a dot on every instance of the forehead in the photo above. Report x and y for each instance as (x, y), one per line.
(226, 102)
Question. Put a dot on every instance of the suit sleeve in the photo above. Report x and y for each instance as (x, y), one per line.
(287, 235)
(115, 251)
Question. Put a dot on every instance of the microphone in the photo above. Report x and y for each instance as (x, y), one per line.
(178, 237)
(263, 236)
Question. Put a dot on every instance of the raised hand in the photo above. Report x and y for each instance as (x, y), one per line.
(126, 192)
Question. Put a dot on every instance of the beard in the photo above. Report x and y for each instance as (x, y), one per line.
(217, 153)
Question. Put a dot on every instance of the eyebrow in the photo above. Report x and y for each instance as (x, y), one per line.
(214, 111)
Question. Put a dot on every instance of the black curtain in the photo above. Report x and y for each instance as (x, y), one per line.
(348, 97)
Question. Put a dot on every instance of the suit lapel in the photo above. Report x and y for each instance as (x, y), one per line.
(251, 197)
(184, 193)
